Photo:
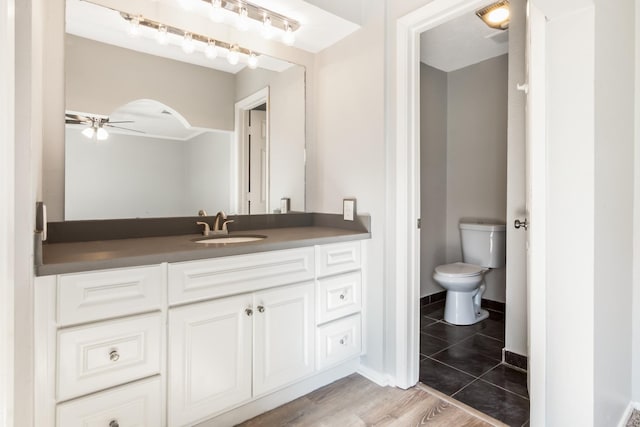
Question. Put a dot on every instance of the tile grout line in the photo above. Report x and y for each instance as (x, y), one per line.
(502, 388)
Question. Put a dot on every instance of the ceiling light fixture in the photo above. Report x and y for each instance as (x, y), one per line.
(252, 61)
(96, 130)
(134, 26)
(191, 41)
(496, 15)
(289, 38)
(216, 14)
(247, 11)
(162, 36)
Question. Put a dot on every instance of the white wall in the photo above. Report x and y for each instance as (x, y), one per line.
(477, 155)
(117, 178)
(433, 175)
(516, 279)
(286, 130)
(348, 156)
(614, 126)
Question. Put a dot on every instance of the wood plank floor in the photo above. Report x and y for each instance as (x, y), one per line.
(356, 401)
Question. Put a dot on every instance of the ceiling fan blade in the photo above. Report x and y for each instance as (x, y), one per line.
(71, 118)
(74, 122)
(121, 121)
(120, 127)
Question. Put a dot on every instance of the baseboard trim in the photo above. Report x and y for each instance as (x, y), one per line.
(627, 413)
(382, 380)
(515, 359)
(429, 299)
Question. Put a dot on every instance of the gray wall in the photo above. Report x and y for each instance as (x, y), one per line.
(433, 175)
(100, 78)
(476, 164)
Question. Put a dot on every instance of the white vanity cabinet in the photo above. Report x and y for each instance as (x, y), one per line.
(209, 341)
(229, 350)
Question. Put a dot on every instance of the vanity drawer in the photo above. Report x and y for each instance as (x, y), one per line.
(133, 405)
(338, 341)
(339, 296)
(338, 258)
(86, 297)
(200, 280)
(95, 357)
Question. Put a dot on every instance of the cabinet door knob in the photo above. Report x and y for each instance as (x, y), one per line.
(341, 296)
(342, 340)
(248, 311)
(114, 423)
(261, 309)
(114, 357)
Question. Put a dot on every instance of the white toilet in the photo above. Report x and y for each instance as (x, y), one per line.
(483, 248)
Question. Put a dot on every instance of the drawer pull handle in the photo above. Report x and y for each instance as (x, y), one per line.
(248, 311)
(342, 296)
(261, 309)
(114, 423)
(114, 357)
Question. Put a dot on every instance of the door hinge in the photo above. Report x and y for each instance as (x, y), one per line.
(419, 223)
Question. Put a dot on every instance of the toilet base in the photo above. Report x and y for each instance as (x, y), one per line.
(459, 309)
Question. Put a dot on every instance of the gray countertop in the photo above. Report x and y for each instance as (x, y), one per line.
(71, 257)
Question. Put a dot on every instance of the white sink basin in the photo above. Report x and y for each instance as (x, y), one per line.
(230, 239)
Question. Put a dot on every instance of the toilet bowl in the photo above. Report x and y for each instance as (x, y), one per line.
(464, 284)
(483, 247)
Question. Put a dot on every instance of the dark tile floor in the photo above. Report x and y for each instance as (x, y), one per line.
(464, 362)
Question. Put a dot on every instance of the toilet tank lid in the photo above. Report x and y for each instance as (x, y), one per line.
(482, 226)
(459, 269)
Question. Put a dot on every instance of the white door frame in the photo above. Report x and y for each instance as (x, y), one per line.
(7, 209)
(239, 154)
(405, 177)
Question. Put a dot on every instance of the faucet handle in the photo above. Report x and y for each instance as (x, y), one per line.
(224, 224)
(207, 228)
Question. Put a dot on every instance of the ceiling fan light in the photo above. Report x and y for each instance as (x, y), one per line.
(102, 134)
(267, 27)
(134, 26)
(89, 132)
(162, 36)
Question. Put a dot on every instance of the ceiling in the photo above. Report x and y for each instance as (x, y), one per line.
(319, 28)
(461, 42)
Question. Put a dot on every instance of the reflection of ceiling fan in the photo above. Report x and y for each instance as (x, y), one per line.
(96, 125)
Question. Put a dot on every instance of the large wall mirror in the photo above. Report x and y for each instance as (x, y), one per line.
(154, 131)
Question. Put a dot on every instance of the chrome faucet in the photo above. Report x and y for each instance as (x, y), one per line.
(221, 227)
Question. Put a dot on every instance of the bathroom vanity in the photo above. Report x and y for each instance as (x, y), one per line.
(161, 331)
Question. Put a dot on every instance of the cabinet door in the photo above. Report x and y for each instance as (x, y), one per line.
(209, 358)
(283, 336)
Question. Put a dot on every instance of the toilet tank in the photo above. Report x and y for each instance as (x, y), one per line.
(483, 244)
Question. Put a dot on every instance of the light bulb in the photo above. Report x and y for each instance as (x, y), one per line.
(134, 26)
(499, 15)
(252, 62)
(102, 134)
(243, 19)
(161, 36)
(89, 132)
(288, 38)
(216, 11)
(267, 27)
(210, 51)
(233, 57)
(187, 43)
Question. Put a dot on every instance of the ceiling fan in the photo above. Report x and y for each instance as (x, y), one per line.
(96, 125)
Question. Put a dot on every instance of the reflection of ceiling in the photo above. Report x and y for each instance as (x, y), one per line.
(319, 29)
(151, 117)
(461, 42)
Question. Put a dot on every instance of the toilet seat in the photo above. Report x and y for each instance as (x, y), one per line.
(459, 269)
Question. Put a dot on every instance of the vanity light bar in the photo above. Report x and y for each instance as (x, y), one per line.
(158, 26)
(257, 13)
